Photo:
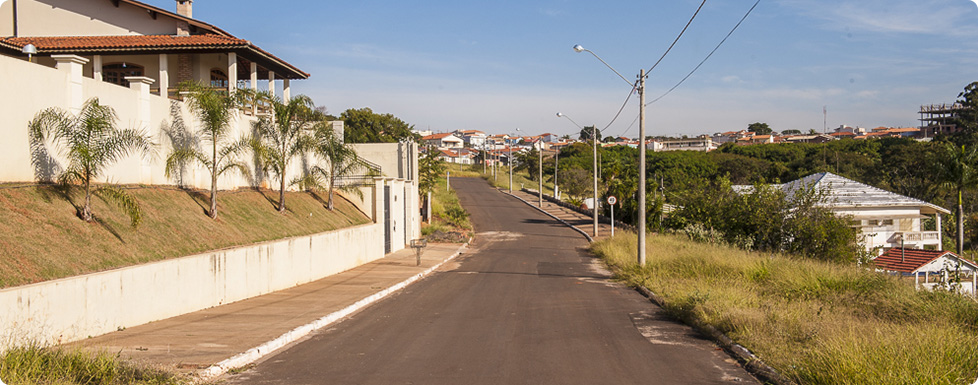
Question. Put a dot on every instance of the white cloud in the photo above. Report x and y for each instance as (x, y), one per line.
(935, 17)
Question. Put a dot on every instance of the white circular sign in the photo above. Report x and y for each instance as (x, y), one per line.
(612, 200)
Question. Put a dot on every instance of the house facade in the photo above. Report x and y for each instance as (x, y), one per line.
(885, 219)
(930, 268)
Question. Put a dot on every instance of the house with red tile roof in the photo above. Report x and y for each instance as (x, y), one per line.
(443, 141)
(937, 267)
(131, 56)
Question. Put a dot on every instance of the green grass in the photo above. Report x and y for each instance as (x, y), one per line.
(815, 322)
(41, 237)
(55, 366)
(447, 212)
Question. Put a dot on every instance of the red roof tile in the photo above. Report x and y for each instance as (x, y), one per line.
(127, 42)
(909, 260)
(131, 43)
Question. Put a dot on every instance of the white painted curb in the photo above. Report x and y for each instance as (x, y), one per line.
(585, 234)
(253, 354)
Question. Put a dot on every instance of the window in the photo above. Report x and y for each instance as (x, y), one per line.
(873, 222)
(887, 222)
(116, 73)
(219, 79)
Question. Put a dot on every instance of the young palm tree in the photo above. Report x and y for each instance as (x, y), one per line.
(956, 167)
(342, 161)
(91, 141)
(281, 138)
(214, 109)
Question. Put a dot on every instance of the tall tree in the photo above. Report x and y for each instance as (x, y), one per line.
(281, 137)
(956, 167)
(91, 141)
(587, 134)
(341, 161)
(365, 126)
(967, 118)
(759, 128)
(214, 109)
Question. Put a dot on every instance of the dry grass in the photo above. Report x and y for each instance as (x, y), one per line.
(41, 238)
(815, 322)
(58, 366)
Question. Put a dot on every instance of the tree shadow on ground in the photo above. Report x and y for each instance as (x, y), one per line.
(200, 198)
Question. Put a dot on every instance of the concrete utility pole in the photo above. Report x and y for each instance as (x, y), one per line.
(641, 168)
(540, 151)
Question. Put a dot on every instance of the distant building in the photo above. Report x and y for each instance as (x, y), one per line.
(939, 119)
(443, 141)
(692, 144)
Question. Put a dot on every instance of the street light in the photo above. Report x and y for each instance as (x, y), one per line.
(594, 145)
(639, 85)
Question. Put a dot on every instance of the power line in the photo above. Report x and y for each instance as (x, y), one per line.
(677, 38)
(629, 97)
(707, 56)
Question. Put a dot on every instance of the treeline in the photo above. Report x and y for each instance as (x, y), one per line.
(690, 179)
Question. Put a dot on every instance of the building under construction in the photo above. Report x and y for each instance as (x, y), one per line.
(939, 119)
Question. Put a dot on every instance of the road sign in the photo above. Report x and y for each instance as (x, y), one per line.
(612, 200)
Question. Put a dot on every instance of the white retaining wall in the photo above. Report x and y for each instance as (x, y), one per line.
(74, 308)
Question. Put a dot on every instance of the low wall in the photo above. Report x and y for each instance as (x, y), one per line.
(74, 308)
(588, 212)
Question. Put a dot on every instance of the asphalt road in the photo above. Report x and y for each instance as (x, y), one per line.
(527, 304)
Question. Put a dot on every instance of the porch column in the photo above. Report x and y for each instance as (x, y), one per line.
(97, 67)
(254, 76)
(164, 75)
(940, 233)
(286, 90)
(72, 66)
(232, 72)
(271, 83)
(916, 280)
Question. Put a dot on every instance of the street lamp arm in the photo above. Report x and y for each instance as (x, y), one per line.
(579, 48)
(560, 115)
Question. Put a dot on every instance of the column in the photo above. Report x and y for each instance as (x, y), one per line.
(286, 90)
(271, 83)
(72, 66)
(97, 67)
(940, 233)
(254, 76)
(164, 75)
(232, 71)
(141, 84)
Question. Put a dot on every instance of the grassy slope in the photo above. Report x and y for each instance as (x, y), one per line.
(41, 238)
(815, 322)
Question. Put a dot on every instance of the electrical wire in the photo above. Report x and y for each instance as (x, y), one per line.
(677, 38)
(629, 97)
(707, 56)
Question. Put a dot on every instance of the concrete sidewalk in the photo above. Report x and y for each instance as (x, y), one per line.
(211, 341)
(573, 218)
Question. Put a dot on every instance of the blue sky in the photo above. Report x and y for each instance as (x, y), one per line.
(501, 65)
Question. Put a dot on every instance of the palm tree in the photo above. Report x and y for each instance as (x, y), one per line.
(957, 168)
(281, 137)
(341, 161)
(91, 141)
(214, 109)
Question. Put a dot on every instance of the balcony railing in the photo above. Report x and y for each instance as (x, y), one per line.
(916, 237)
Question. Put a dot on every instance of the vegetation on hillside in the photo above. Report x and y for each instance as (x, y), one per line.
(41, 239)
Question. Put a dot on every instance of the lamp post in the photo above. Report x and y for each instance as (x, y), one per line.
(639, 86)
(594, 146)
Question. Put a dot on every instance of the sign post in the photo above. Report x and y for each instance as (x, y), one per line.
(611, 202)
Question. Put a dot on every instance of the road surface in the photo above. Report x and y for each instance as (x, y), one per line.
(525, 305)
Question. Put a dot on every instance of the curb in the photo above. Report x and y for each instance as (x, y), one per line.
(253, 354)
(752, 363)
(588, 237)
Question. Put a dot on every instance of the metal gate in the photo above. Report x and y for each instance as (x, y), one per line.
(387, 219)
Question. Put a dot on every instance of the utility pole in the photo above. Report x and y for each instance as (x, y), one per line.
(594, 208)
(641, 168)
(540, 164)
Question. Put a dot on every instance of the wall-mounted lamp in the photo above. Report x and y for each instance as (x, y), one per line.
(30, 50)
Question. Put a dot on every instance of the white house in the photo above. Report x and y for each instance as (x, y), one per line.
(885, 219)
(693, 144)
(443, 141)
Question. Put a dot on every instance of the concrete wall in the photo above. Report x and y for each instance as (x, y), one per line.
(74, 308)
